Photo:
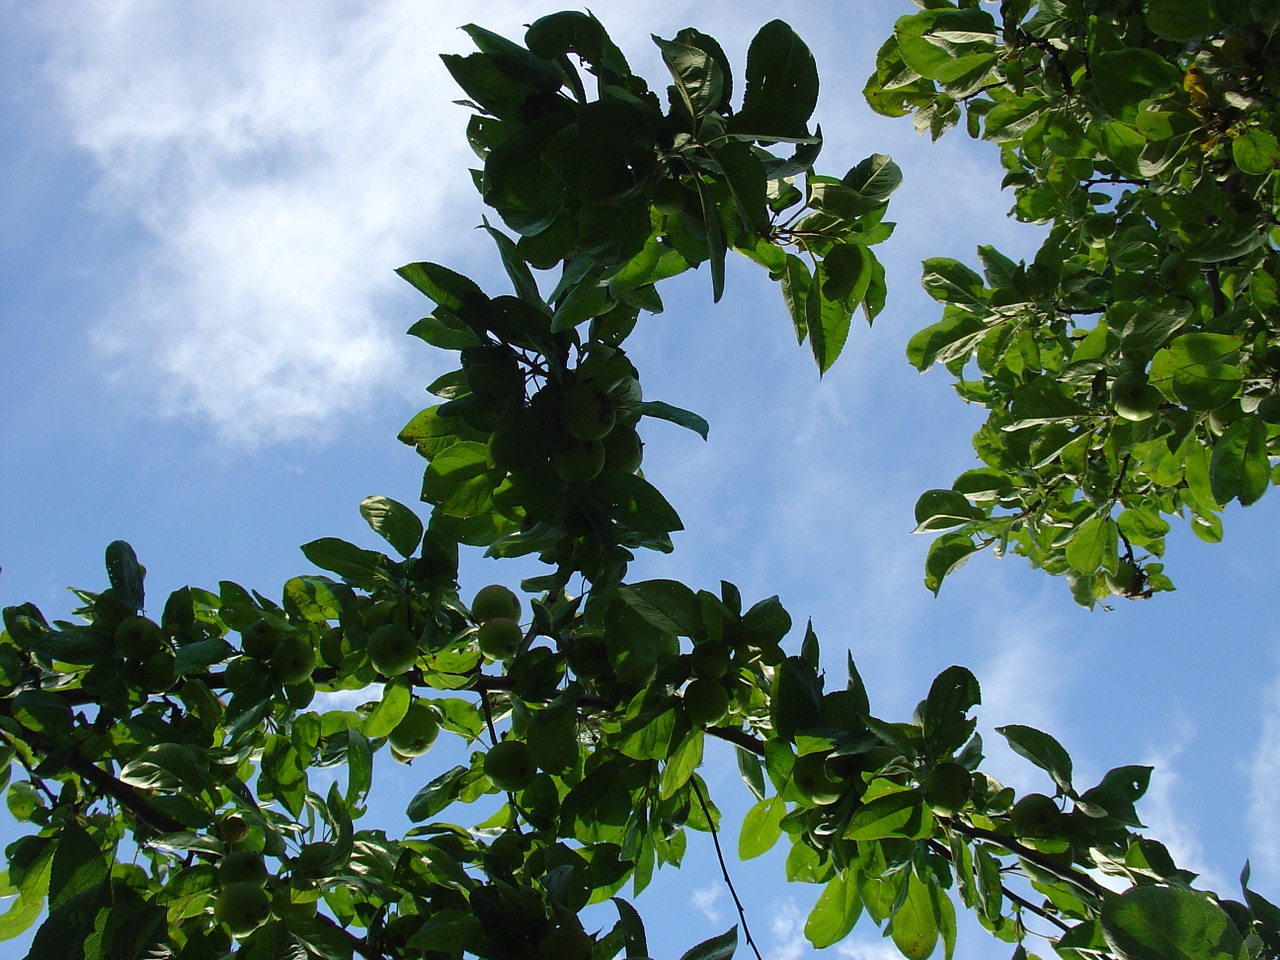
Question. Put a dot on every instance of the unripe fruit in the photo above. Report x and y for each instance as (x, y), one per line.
(499, 638)
(670, 196)
(1037, 817)
(814, 780)
(586, 412)
(331, 647)
(1126, 581)
(1134, 398)
(509, 766)
(416, 732)
(710, 659)
(159, 671)
(705, 702)
(580, 463)
(623, 450)
(242, 866)
(494, 375)
(258, 639)
(138, 637)
(242, 908)
(1269, 409)
(392, 649)
(495, 600)
(293, 659)
(233, 829)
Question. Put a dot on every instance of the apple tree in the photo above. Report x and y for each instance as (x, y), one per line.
(1130, 369)
(162, 754)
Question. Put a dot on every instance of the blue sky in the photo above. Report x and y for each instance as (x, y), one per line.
(202, 352)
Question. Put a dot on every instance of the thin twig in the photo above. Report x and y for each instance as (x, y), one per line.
(724, 869)
(1077, 879)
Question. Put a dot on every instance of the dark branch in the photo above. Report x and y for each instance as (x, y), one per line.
(715, 839)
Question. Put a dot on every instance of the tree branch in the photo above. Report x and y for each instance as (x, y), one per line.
(715, 839)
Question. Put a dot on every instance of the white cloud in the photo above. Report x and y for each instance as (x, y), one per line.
(704, 900)
(1160, 811)
(1264, 776)
(787, 926)
(868, 950)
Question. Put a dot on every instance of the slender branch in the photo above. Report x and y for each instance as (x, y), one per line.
(1047, 864)
(724, 870)
(127, 796)
(488, 715)
(944, 851)
(738, 737)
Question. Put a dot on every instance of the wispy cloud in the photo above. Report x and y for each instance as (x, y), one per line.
(787, 927)
(1264, 779)
(704, 900)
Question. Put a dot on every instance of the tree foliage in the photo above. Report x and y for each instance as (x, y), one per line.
(164, 763)
(1130, 369)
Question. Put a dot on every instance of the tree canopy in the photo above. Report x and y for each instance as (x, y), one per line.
(165, 762)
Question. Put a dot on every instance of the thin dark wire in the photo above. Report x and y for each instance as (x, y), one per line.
(724, 869)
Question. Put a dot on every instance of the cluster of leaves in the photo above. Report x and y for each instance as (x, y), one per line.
(1131, 368)
(166, 765)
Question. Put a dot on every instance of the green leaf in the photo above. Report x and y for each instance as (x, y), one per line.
(1202, 379)
(781, 86)
(1122, 79)
(717, 948)
(389, 710)
(359, 567)
(1169, 923)
(552, 736)
(1182, 20)
(899, 814)
(699, 79)
(876, 177)
(125, 574)
(950, 281)
(946, 725)
(915, 929)
(665, 411)
(837, 910)
(78, 865)
(447, 288)
(1240, 468)
(1256, 151)
(436, 795)
(666, 604)
(1093, 542)
(1042, 750)
(946, 555)
(682, 763)
(394, 522)
(943, 509)
(956, 335)
(632, 928)
(827, 322)
(761, 828)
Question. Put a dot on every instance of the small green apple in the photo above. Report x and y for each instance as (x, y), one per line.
(416, 732)
(710, 659)
(159, 671)
(259, 638)
(705, 701)
(1126, 581)
(623, 450)
(392, 649)
(1133, 397)
(495, 600)
(499, 638)
(509, 766)
(242, 866)
(233, 829)
(580, 463)
(242, 908)
(137, 637)
(586, 412)
(293, 659)
(814, 780)
(1037, 817)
